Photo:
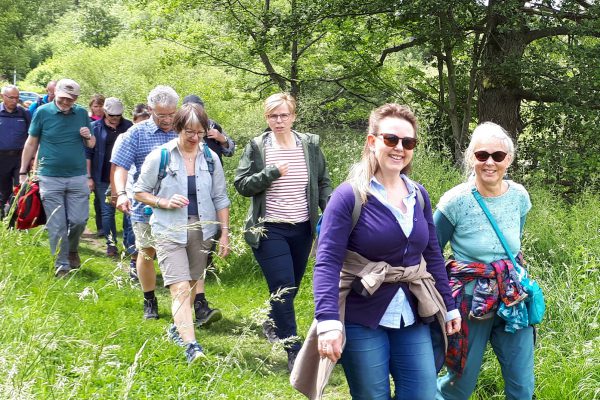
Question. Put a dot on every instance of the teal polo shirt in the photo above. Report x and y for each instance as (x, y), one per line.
(62, 149)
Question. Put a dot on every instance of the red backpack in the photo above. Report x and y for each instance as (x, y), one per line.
(28, 211)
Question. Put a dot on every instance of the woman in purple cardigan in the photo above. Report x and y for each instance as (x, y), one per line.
(384, 332)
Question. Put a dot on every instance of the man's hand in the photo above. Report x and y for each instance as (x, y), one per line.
(91, 184)
(85, 133)
(213, 133)
(123, 204)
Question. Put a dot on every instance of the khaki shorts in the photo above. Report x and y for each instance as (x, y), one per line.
(184, 262)
(143, 235)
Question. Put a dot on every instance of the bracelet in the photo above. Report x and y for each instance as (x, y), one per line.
(89, 177)
(157, 202)
(224, 227)
(120, 192)
(22, 173)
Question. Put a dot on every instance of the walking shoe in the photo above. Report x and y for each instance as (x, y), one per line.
(292, 354)
(151, 308)
(61, 271)
(269, 331)
(133, 271)
(112, 251)
(193, 352)
(173, 335)
(206, 315)
(74, 260)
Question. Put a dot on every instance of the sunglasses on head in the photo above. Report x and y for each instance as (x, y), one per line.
(483, 156)
(391, 140)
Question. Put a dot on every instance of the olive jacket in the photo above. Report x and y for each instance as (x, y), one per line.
(253, 178)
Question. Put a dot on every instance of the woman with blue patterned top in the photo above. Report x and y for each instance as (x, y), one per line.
(480, 261)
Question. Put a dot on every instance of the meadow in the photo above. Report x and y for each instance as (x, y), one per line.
(83, 337)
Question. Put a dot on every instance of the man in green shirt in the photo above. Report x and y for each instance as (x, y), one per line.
(62, 130)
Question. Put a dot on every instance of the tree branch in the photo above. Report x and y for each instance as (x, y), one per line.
(410, 43)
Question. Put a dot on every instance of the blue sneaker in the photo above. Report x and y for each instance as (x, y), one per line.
(173, 335)
(193, 352)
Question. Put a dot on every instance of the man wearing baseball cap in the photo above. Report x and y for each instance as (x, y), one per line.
(61, 129)
(106, 131)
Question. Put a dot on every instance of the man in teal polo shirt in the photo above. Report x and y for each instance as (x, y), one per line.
(62, 130)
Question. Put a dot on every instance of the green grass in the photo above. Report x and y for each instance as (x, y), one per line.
(84, 337)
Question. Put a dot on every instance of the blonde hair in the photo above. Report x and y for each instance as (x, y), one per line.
(362, 172)
(277, 99)
(483, 131)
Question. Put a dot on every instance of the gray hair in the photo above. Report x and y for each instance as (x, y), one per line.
(162, 95)
(9, 87)
(486, 130)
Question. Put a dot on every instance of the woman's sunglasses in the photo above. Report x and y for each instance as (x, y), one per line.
(391, 140)
(483, 156)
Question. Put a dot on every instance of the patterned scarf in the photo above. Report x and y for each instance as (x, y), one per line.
(497, 280)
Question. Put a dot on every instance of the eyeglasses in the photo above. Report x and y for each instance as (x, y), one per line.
(483, 156)
(11, 97)
(191, 134)
(391, 140)
(114, 115)
(164, 116)
(274, 117)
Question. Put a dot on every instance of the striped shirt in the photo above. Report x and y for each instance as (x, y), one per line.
(136, 144)
(287, 199)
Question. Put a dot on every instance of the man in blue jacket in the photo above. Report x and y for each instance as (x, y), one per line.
(45, 99)
(106, 131)
(14, 123)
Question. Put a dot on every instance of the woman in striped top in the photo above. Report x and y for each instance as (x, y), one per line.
(285, 173)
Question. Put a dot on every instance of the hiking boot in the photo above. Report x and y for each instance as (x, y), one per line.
(151, 308)
(173, 335)
(206, 315)
(133, 271)
(74, 260)
(112, 251)
(193, 352)
(269, 331)
(292, 354)
(62, 271)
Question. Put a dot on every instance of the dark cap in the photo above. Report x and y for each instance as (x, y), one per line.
(192, 98)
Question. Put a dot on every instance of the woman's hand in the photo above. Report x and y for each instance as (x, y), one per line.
(283, 168)
(330, 345)
(176, 201)
(224, 243)
(453, 326)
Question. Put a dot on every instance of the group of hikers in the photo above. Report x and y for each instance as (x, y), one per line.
(386, 301)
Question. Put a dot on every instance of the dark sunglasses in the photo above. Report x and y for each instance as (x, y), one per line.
(114, 115)
(483, 156)
(391, 140)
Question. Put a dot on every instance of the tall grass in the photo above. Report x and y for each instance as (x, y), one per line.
(83, 337)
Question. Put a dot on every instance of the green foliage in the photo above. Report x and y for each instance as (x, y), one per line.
(97, 27)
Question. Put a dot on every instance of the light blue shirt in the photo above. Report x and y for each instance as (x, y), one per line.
(399, 308)
(211, 193)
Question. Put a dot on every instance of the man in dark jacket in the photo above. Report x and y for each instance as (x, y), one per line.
(106, 131)
(14, 123)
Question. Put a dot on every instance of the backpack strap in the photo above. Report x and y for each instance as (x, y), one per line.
(420, 197)
(209, 158)
(357, 208)
(162, 169)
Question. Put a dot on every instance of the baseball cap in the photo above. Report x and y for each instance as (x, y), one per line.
(192, 98)
(113, 106)
(67, 88)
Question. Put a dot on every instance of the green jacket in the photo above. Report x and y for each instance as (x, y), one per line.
(253, 178)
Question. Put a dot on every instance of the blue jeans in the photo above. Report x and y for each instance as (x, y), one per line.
(128, 235)
(66, 203)
(282, 256)
(515, 355)
(108, 214)
(371, 355)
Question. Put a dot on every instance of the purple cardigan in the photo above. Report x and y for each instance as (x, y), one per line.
(378, 237)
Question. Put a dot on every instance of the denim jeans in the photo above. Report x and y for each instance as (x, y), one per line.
(108, 214)
(66, 203)
(371, 355)
(128, 235)
(515, 355)
(282, 255)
